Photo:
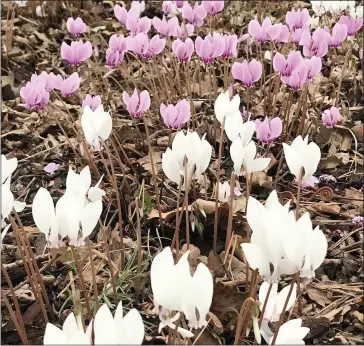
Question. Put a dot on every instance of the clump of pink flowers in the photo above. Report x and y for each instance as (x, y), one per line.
(247, 72)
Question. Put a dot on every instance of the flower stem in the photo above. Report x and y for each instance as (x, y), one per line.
(284, 309)
(155, 181)
(216, 220)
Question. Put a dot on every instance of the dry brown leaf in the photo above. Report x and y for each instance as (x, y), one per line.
(335, 160)
(358, 130)
(329, 208)
(262, 179)
(355, 196)
(317, 295)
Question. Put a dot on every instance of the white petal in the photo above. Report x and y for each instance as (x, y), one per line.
(292, 159)
(170, 166)
(256, 259)
(104, 327)
(131, 329)
(7, 167)
(70, 325)
(90, 214)
(311, 157)
(281, 300)
(256, 165)
(19, 206)
(95, 194)
(318, 248)
(256, 215)
(7, 201)
(237, 154)
(68, 211)
(43, 211)
(85, 175)
(54, 336)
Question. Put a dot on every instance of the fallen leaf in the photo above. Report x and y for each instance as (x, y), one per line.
(317, 295)
(329, 208)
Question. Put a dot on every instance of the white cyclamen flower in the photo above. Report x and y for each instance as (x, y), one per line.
(118, 330)
(229, 110)
(291, 333)
(66, 219)
(175, 290)
(79, 186)
(8, 166)
(244, 157)
(269, 225)
(224, 191)
(305, 247)
(96, 125)
(300, 155)
(188, 146)
(274, 305)
(71, 334)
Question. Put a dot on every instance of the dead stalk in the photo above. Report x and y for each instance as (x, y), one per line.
(243, 314)
(216, 220)
(230, 219)
(19, 316)
(93, 273)
(284, 309)
(139, 236)
(107, 250)
(155, 181)
(118, 202)
(186, 206)
(32, 264)
(14, 319)
(82, 281)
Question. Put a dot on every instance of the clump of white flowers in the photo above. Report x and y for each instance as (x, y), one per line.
(76, 213)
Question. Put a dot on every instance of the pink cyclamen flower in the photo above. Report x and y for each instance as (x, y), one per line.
(34, 95)
(122, 14)
(310, 182)
(179, 3)
(210, 47)
(168, 7)
(194, 15)
(77, 52)
(138, 25)
(183, 50)
(358, 220)
(297, 78)
(92, 101)
(145, 48)
(118, 43)
(339, 34)
(137, 104)
(353, 25)
(50, 81)
(52, 167)
(70, 84)
(297, 34)
(268, 130)
(184, 31)
(76, 26)
(247, 73)
(286, 66)
(278, 33)
(259, 32)
(315, 45)
(113, 58)
(166, 27)
(176, 116)
(212, 8)
(330, 117)
(314, 66)
(231, 43)
(298, 19)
